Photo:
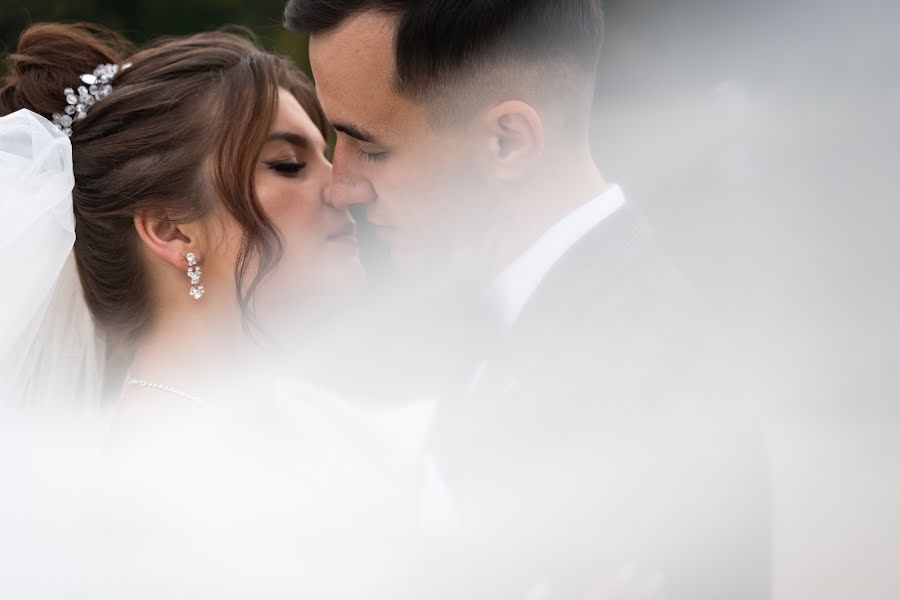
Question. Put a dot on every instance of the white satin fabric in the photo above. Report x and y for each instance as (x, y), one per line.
(51, 356)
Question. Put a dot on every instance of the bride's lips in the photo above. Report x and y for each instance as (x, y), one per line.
(346, 233)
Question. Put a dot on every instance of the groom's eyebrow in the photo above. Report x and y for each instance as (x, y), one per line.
(355, 132)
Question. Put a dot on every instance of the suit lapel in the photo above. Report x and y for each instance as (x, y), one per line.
(510, 362)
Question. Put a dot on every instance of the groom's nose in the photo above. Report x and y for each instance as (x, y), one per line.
(348, 188)
(344, 194)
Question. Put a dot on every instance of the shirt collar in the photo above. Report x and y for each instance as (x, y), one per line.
(511, 290)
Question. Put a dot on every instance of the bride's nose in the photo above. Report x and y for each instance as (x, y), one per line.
(326, 176)
(327, 195)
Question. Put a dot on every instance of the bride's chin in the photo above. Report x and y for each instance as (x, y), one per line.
(306, 297)
(344, 273)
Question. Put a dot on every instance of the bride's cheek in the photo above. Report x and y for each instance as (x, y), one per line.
(285, 206)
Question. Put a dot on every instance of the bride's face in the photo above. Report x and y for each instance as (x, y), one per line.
(320, 265)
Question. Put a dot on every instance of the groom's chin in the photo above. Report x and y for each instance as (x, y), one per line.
(410, 260)
(407, 263)
(430, 270)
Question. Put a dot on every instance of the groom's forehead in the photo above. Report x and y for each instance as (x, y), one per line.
(353, 65)
(361, 43)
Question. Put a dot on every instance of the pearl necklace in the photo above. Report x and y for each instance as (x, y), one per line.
(132, 380)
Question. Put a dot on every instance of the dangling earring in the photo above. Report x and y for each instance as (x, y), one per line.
(194, 273)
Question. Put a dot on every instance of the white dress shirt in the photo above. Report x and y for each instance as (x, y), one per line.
(511, 289)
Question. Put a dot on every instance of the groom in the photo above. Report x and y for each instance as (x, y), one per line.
(595, 427)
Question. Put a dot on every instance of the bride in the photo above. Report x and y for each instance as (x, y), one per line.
(202, 225)
(166, 223)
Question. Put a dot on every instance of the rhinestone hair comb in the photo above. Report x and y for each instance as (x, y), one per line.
(97, 86)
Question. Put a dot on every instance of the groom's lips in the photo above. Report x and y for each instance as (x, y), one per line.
(382, 232)
(377, 225)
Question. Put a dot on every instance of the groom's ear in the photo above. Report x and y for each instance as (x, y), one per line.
(515, 139)
(163, 237)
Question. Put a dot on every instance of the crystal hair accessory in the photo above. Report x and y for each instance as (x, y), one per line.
(97, 86)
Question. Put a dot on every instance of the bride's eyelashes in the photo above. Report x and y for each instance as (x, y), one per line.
(286, 168)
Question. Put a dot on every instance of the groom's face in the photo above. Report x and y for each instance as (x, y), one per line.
(417, 184)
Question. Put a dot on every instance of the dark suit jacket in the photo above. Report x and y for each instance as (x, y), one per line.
(607, 430)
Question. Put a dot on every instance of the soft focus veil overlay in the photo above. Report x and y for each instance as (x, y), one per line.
(51, 355)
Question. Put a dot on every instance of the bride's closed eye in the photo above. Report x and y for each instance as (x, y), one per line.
(288, 168)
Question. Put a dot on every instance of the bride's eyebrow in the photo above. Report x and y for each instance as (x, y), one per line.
(292, 138)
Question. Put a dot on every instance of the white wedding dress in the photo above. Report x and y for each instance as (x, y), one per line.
(228, 509)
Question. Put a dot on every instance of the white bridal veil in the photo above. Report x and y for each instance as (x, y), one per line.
(50, 351)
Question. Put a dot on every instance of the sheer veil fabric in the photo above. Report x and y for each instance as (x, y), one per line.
(51, 355)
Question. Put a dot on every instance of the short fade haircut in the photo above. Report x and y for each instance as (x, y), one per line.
(477, 47)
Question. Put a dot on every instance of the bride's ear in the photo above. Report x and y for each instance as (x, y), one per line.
(515, 139)
(164, 238)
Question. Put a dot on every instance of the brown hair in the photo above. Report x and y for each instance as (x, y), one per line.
(182, 129)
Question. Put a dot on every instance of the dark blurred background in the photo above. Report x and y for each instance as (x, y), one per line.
(143, 20)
